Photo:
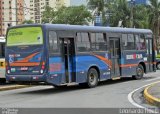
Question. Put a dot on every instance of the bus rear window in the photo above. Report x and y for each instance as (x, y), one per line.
(25, 36)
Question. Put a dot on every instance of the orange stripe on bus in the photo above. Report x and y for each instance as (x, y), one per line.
(154, 63)
(150, 62)
(128, 65)
(25, 64)
(26, 59)
(105, 60)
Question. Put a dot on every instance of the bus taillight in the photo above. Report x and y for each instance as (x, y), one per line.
(43, 66)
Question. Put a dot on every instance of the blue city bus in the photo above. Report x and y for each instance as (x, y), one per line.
(67, 54)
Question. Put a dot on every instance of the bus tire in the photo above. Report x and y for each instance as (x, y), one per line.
(92, 78)
(158, 66)
(139, 72)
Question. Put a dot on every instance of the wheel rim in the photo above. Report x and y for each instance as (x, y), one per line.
(139, 72)
(92, 78)
(158, 66)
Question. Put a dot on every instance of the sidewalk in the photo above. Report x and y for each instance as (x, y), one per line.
(152, 94)
(11, 87)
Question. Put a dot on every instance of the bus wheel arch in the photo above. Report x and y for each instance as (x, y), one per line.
(93, 76)
(158, 65)
(97, 69)
(144, 66)
(87, 83)
(140, 70)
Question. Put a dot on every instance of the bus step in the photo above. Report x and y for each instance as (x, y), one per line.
(116, 78)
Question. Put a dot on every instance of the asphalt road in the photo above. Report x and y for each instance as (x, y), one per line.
(108, 94)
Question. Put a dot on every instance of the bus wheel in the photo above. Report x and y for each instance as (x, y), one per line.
(92, 78)
(139, 72)
(158, 66)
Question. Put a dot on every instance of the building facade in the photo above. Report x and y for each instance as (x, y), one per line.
(138, 2)
(38, 6)
(141, 2)
(11, 13)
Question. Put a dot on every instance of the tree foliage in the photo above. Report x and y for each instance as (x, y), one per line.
(76, 15)
(48, 15)
(144, 16)
(120, 12)
(27, 22)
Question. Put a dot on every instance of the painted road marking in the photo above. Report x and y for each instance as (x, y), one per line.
(130, 98)
(152, 79)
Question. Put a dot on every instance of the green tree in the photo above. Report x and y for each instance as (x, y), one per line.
(76, 15)
(48, 15)
(100, 6)
(27, 22)
(120, 12)
(154, 17)
(140, 17)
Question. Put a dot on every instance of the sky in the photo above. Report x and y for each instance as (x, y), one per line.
(77, 2)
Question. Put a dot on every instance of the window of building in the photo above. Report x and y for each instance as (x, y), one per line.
(98, 42)
(83, 42)
(53, 42)
(47, 3)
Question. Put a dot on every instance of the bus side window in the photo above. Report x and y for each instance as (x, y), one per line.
(124, 41)
(128, 41)
(131, 42)
(83, 42)
(98, 42)
(140, 42)
(53, 48)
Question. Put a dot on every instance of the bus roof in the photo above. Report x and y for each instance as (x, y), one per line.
(89, 28)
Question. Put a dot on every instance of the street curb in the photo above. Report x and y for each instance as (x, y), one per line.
(13, 87)
(149, 98)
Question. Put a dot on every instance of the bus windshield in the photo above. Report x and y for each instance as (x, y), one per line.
(25, 36)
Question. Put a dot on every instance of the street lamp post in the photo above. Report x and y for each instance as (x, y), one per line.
(131, 19)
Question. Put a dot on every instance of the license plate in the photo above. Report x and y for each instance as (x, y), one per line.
(24, 68)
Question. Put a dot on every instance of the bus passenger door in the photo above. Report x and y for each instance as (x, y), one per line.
(115, 56)
(149, 54)
(68, 56)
